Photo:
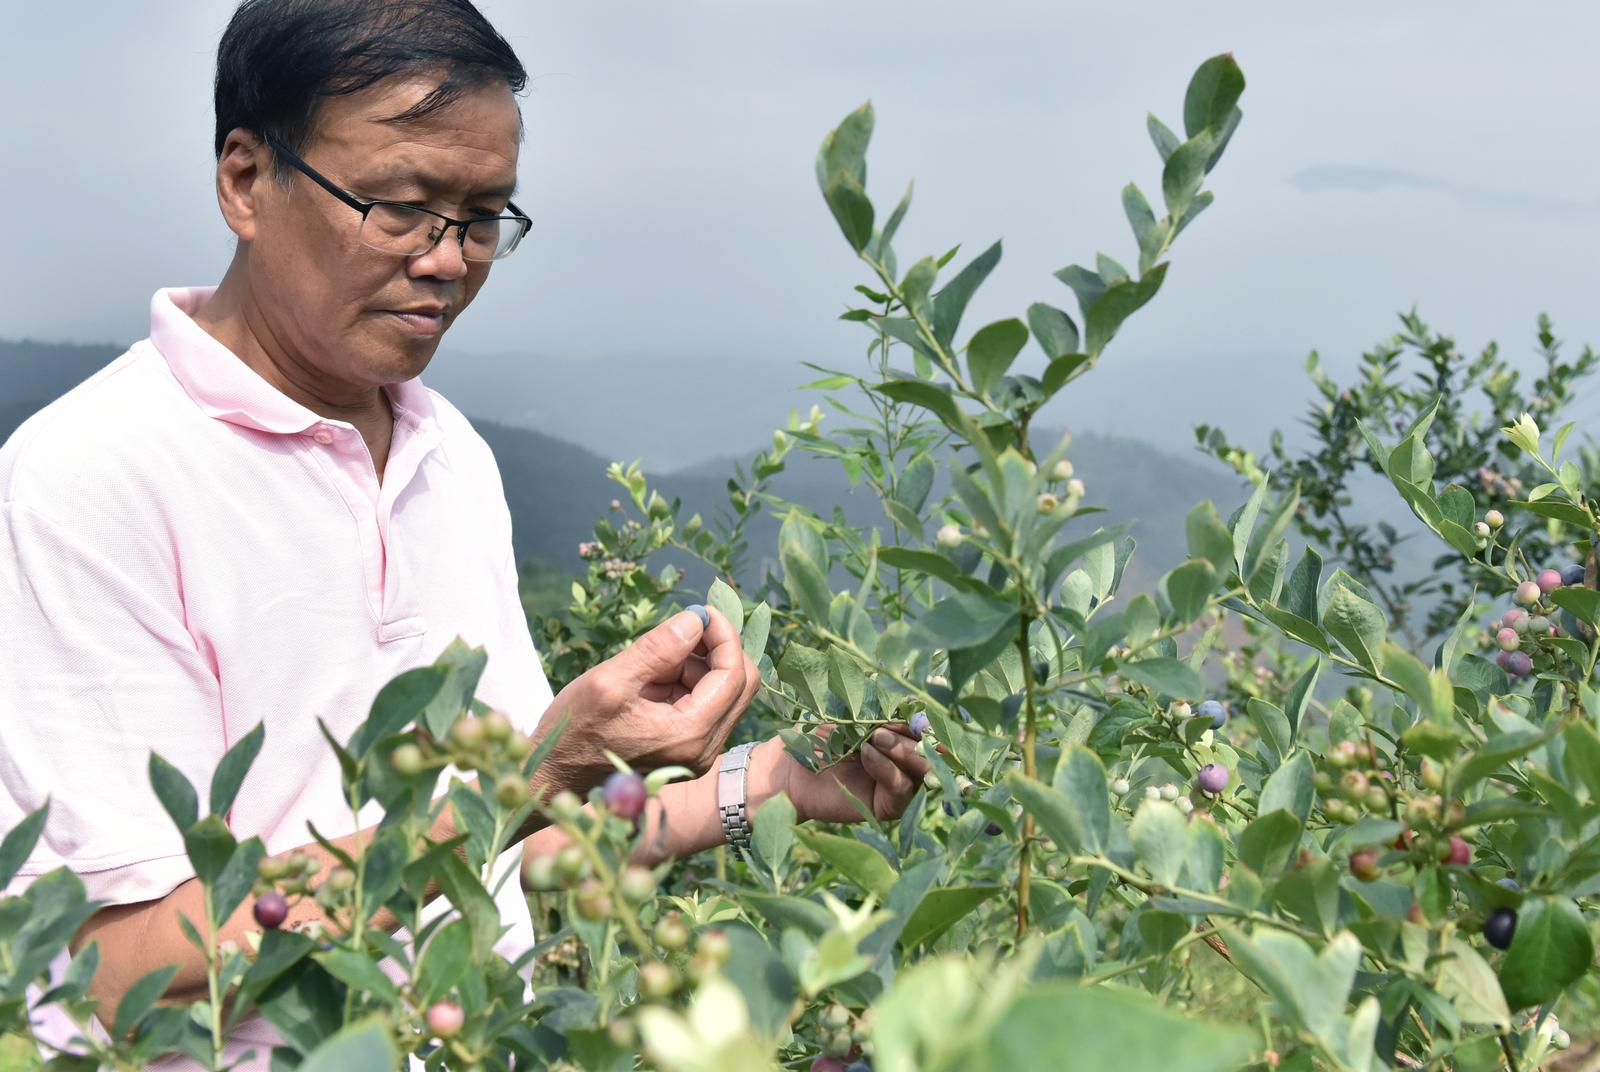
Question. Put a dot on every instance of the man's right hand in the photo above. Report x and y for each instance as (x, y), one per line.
(670, 698)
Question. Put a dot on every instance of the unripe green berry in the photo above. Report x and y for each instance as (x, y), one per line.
(565, 807)
(518, 747)
(1494, 519)
(497, 727)
(1120, 786)
(836, 1016)
(1062, 470)
(1481, 530)
(1169, 792)
(1047, 503)
(511, 792)
(1075, 489)
(636, 884)
(671, 934)
(540, 873)
(1432, 775)
(949, 536)
(714, 945)
(467, 734)
(406, 760)
(341, 880)
(657, 981)
(592, 902)
(571, 863)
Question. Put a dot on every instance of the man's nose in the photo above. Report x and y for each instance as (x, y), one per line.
(444, 260)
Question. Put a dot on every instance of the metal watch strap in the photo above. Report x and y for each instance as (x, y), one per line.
(731, 797)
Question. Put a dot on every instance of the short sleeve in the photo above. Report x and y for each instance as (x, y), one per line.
(97, 670)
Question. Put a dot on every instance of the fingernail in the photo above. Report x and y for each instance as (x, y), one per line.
(705, 615)
(684, 629)
(882, 738)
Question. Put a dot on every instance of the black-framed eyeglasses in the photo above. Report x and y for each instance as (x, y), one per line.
(410, 231)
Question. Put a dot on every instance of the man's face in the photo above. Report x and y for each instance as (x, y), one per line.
(350, 316)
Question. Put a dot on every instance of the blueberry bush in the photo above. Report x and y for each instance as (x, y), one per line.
(1135, 849)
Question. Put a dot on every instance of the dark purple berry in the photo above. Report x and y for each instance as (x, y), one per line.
(624, 794)
(1499, 927)
(1518, 663)
(1214, 711)
(993, 829)
(271, 910)
(920, 724)
(1572, 575)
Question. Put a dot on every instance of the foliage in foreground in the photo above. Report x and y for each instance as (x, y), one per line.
(1134, 850)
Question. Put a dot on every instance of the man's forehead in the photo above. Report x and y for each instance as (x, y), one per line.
(481, 126)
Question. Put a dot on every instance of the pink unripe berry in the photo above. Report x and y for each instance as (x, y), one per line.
(1508, 640)
(1528, 593)
(1549, 580)
(1364, 865)
(1460, 852)
(826, 1063)
(1213, 778)
(624, 794)
(271, 909)
(445, 1018)
(1513, 616)
(1494, 519)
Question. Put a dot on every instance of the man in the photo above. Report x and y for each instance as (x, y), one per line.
(261, 515)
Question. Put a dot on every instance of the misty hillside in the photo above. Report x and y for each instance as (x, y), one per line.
(556, 489)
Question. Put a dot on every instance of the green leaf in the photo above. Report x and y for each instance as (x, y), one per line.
(1209, 537)
(851, 208)
(463, 667)
(1189, 588)
(964, 620)
(859, 863)
(1582, 602)
(1160, 836)
(1212, 94)
(773, 833)
(175, 792)
(20, 841)
(359, 972)
(1081, 779)
(1468, 983)
(1550, 950)
(951, 302)
(992, 350)
(1311, 989)
(806, 671)
(805, 566)
(1140, 216)
(464, 890)
(1270, 841)
(844, 150)
(385, 867)
(445, 961)
(1055, 1025)
(756, 630)
(761, 977)
(1165, 676)
(1290, 788)
(361, 1047)
(140, 998)
(1056, 333)
(1358, 625)
(1120, 301)
(935, 398)
(233, 768)
(398, 704)
(238, 877)
(210, 845)
(727, 601)
(942, 909)
(1184, 171)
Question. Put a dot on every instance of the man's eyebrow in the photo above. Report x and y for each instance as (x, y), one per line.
(400, 176)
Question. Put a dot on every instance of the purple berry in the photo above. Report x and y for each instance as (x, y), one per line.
(993, 829)
(920, 724)
(1518, 663)
(1214, 711)
(1213, 778)
(271, 909)
(1572, 575)
(624, 794)
(1499, 927)
(1549, 580)
(827, 1064)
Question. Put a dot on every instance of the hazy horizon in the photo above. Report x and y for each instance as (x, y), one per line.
(1434, 155)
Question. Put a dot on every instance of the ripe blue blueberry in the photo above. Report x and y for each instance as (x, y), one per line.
(1518, 664)
(1499, 927)
(920, 724)
(1215, 712)
(1508, 883)
(624, 794)
(1572, 575)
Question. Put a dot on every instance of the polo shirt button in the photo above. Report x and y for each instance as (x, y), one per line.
(323, 436)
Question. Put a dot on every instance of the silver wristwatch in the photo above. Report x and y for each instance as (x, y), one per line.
(731, 797)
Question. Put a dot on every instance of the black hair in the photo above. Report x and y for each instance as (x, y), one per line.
(279, 59)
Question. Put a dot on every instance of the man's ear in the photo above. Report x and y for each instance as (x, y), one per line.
(244, 170)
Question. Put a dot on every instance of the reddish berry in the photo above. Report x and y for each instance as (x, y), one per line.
(1494, 519)
(1507, 639)
(1528, 593)
(1364, 865)
(624, 794)
(1460, 852)
(1549, 580)
(1513, 616)
(827, 1064)
(271, 910)
(445, 1018)
(1499, 927)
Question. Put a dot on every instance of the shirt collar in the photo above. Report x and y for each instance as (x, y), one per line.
(226, 388)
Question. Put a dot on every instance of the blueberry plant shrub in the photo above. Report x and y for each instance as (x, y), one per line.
(1416, 371)
(1112, 863)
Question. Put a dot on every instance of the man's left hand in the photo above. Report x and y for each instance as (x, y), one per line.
(883, 775)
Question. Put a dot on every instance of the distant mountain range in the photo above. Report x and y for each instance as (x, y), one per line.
(556, 488)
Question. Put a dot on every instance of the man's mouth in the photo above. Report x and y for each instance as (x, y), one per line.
(420, 320)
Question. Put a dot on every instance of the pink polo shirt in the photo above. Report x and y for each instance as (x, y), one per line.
(186, 552)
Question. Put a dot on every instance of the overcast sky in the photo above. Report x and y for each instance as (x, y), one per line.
(1441, 154)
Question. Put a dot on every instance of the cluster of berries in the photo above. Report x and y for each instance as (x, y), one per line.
(1209, 781)
(660, 979)
(1517, 633)
(844, 1041)
(1496, 485)
(278, 879)
(489, 744)
(1350, 781)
